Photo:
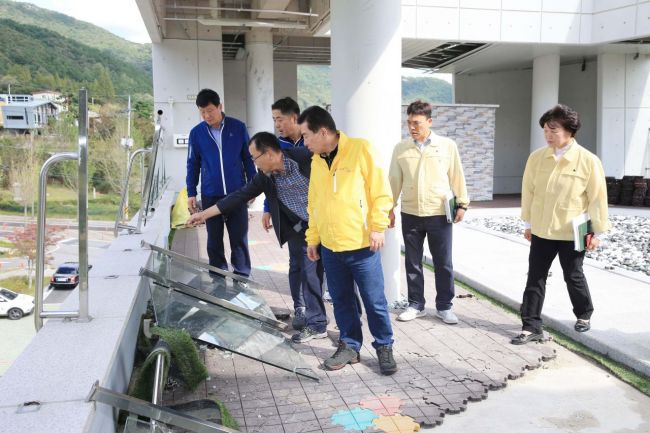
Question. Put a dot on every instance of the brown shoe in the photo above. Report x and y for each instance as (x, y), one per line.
(342, 357)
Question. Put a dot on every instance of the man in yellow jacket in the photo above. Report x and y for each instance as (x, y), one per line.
(423, 169)
(348, 205)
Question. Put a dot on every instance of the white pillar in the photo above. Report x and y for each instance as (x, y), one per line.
(546, 89)
(610, 103)
(259, 80)
(367, 91)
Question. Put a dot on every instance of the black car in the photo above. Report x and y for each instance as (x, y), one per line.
(66, 276)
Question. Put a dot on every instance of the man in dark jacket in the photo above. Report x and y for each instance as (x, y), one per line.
(218, 155)
(284, 177)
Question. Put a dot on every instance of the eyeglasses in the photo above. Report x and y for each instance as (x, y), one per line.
(255, 159)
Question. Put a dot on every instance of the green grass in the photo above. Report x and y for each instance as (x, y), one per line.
(626, 374)
(62, 203)
(21, 284)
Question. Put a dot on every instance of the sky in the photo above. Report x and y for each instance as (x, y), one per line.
(121, 17)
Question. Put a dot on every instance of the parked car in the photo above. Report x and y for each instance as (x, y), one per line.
(66, 276)
(15, 305)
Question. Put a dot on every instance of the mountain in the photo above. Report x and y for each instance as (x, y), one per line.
(39, 58)
(80, 31)
(315, 88)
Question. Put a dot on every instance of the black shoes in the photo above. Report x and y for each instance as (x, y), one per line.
(527, 337)
(307, 334)
(582, 325)
(342, 357)
(299, 319)
(387, 364)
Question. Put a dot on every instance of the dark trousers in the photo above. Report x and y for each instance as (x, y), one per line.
(439, 234)
(542, 254)
(306, 283)
(237, 224)
(362, 267)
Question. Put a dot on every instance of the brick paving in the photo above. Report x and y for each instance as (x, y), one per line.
(441, 367)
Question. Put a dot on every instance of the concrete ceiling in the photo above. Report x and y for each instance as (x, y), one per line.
(307, 42)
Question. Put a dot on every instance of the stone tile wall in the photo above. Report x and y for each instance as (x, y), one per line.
(472, 127)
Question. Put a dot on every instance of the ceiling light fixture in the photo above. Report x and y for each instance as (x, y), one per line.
(231, 22)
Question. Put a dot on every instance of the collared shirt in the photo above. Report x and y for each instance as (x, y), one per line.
(292, 188)
(216, 133)
(421, 145)
(556, 190)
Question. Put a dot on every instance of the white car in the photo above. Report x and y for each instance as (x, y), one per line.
(15, 305)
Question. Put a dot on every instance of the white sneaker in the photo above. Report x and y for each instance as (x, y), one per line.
(447, 316)
(410, 313)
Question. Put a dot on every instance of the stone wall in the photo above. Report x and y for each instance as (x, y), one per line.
(472, 127)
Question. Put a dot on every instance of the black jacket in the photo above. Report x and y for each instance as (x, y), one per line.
(285, 223)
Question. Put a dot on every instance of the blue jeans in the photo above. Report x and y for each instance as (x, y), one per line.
(237, 224)
(362, 267)
(306, 283)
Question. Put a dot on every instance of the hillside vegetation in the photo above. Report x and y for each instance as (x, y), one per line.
(315, 87)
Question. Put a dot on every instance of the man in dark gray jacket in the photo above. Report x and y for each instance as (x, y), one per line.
(284, 177)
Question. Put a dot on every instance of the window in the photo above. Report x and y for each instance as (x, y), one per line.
(15, 118)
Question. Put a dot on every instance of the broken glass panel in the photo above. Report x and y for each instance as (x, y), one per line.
(226, 329)
(223, 287)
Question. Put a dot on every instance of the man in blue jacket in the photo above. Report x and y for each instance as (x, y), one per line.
(218, 156)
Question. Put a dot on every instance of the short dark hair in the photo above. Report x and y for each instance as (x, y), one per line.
(207, 96)
(264, 141)
(564, 116)
(317, 118)
(286, 106)
(418, 108)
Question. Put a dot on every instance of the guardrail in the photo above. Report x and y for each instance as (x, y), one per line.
(82, 157)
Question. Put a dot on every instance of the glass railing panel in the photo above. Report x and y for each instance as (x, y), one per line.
(218, 286)
(229, 330)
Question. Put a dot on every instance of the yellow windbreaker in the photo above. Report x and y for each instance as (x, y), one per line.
(350, 199)
(553, 193)
(424, 177)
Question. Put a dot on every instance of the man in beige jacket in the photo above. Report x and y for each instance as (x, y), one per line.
(423, 169)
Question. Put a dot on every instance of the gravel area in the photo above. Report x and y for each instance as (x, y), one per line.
(626, 245)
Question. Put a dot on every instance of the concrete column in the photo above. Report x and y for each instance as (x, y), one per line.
(546, 89)
(259, 80)
(610, 109)
(286, 80)
(201, 65)
(366, 91)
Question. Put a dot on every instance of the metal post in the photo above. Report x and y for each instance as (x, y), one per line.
(40, 237)
(83, 206)
(125, 193)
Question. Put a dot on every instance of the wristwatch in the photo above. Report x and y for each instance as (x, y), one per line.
(462, 206)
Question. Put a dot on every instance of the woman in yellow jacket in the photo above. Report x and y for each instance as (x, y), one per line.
(561, 182)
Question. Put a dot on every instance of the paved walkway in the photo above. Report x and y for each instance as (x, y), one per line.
(441, 367)
(497, 263)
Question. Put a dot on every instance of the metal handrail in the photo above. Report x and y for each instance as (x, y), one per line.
(125, 196)
(82, 157)
(40, 239)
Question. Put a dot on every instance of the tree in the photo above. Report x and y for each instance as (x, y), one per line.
(6, 81)
(24, 240)
(23, 176)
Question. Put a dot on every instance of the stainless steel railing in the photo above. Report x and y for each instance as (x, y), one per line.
(82, 157)
(119, 220)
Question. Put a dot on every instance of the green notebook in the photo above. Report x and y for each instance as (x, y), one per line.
(581, 230)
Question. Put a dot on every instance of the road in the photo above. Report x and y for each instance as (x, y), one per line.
(15, 335)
